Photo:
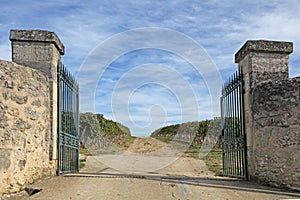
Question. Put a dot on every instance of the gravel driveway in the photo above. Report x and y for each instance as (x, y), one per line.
(185, 179)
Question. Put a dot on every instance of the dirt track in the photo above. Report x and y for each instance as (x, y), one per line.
(186, 178)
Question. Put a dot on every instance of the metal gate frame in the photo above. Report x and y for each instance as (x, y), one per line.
(234, 146)
(68, 122)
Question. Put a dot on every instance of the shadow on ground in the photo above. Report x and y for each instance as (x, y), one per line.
(218, 182)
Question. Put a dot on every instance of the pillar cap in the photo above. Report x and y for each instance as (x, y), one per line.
(37, 36)
(263, 46)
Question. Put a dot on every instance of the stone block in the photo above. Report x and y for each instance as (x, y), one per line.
(263, 46)
(5, 159)
(22, 51)
(31, 113)
(45, 67)
(19, 99)
(31, 36)
(3, 121)
(272, 112)
(22, 164)
(9, 84)
(21, 124)
(26, 109)
(13, 111)
(37, 103)
(43, 52)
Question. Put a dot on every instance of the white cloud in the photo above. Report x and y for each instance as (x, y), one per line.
(221, 28)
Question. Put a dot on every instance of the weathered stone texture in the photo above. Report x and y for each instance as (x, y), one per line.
(5, 159)
(258, 67)
(37, 49)
(271, 107)
(276, 132)
(263, 46)
(37, 36)
(41, 50)
(24, 126)
(28, 109)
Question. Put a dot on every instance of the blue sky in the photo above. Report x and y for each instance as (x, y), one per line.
(148, 87)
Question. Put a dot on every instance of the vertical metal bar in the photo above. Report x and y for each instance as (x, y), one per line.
(65, 120)
(68, 121)
(59, 121)
(238, 126)
(245, 167)
(223, 127)
(68, 126)
(77, 126)
(235, 126)
(227, 131)
(233, 130)
(241, 126)
(239, 130)
(237, 119)
(230, 128)
(223, 137)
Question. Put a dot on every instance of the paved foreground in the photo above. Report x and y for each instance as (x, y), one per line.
(155, 188)
(185, 179)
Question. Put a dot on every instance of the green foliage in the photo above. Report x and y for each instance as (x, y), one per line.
(84, 151)
(90, 124)
(110, 127)
(96, 132)
(197, 130)
(166, 131)
(166, 139)
(194, 148)
(97, 125)
(214, 161)
(81, 164)
(232, 126)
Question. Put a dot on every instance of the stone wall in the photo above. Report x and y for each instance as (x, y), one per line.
(271, 108)
(41, 50)
(24, 127)
(28, 109)
(276, 132)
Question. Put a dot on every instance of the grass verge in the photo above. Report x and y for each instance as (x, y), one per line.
(81, 163)
(166, 139)
(213, 159)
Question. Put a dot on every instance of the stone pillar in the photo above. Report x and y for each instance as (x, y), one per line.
(260, 61)
(41, 50)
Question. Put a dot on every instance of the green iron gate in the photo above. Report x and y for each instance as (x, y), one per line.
(233, 128)
(68, 122)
